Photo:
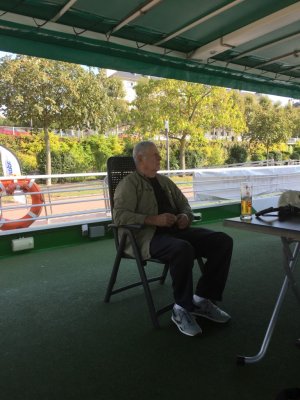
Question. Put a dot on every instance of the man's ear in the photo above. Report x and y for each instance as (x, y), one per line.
(139, 158)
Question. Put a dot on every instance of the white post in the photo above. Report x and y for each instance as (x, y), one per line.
(167, 143)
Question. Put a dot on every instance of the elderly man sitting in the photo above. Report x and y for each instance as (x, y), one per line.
(148, 198)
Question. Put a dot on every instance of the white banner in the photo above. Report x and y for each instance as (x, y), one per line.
(11, 167)
(224, 183)
(10, 163)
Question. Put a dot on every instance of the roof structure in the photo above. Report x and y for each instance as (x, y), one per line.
(245, 44)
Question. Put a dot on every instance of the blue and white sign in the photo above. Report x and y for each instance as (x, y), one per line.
(10, 163)
(11, 168)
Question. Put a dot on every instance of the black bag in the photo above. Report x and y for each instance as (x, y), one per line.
(288, 206)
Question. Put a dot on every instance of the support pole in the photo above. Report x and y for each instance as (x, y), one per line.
(167, 144)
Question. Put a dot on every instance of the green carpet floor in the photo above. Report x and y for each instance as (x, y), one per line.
(60, 341)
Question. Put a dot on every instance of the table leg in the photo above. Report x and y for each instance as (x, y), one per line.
(290, 260)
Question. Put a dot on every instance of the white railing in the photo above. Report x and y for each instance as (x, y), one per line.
(225, 184)
(81, 202)
(63, 204)
(86, 200)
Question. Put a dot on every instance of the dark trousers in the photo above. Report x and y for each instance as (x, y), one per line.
(180, 248)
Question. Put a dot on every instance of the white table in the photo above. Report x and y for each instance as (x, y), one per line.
(289, 232)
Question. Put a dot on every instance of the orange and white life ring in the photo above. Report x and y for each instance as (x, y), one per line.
(27, 186)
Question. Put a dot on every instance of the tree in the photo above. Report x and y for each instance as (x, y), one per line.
(237, 154)
(294, 117)
(37, 92)
(268, 124)
(101, 103)
(50, 94)
(227, 113)
(190, 108)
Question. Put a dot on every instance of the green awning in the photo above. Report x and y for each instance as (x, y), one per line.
(244, 44)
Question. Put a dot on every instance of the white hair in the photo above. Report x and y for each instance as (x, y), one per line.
(141, 148)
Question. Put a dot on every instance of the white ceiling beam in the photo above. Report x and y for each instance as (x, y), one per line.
(65, 8)
(53, 27)
(278, 76)
(265, 46)
(256, 29)
(295, 53)
(295, 67)
(141, 11)
(30, 23)
(198, 22)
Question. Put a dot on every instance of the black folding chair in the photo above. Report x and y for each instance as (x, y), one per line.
(117, 169)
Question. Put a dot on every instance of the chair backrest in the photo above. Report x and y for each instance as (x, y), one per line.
(117, 168)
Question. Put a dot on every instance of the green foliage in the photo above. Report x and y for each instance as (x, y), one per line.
(69, 155)
(268, 123)
(190, 108)
(285, 155)
(102, 148)
(51, 94)
(11, 142)
(279, 155)
(38, 91)
(273, 156)
(237, 154)
(194, 159)
(295, 155)
(297, 147)
(5, 122)
(257, 157)
(128, 144)
(293, 114)
(25, 148)
(212, 154)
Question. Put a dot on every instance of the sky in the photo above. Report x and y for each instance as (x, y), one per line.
(282, 100)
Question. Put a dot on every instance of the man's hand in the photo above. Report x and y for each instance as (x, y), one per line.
(162, 220)
(182, 221)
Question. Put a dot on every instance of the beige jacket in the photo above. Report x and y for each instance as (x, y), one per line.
(134, 200)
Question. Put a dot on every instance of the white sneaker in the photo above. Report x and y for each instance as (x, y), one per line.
(205, 308)
(185, 322)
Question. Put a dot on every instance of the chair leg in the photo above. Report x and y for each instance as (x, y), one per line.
(112, 279)
(148, 294)
(115, 270)
(164, 274)
(144, 279)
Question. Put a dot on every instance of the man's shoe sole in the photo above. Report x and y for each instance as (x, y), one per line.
(196, 314)
(185, 333)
